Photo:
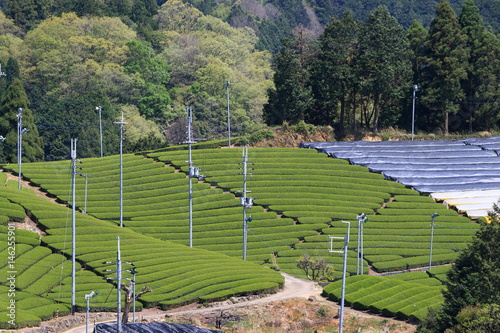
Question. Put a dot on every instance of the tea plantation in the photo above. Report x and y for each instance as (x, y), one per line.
(300, 198)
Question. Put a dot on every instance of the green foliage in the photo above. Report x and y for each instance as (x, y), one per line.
(389, 297)
(15, 100)
(445, 62)
(384, 66)
(477, 318)
(291, 98)
(154, 71)
(334, 77)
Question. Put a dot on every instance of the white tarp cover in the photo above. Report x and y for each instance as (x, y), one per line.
(451, 169)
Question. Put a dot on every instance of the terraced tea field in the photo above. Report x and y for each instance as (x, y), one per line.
(301, 198)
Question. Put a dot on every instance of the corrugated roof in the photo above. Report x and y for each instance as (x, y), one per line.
(153, 327)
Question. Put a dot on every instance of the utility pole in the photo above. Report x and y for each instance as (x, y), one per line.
(74, 166)
(226, 85)
(20, 132)
(192, 171)
(246, 202)
(2, 73)
(99, 109)
(85, 194)
(359, 263)
(121, 123)
(433, 216)
(415, 89)
(344, 271)
(119, 287)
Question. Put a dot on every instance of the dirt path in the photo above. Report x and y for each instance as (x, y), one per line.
(294, 288)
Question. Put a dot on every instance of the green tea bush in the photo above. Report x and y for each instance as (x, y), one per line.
(414, 262)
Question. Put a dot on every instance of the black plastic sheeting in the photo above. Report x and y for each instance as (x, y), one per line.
(152, 327)
(427, 166)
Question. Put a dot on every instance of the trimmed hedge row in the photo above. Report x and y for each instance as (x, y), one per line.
(390, 297)
(414, 262)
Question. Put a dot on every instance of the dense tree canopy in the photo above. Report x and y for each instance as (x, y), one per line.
(150, 59)
(15, 110)
(445, 61)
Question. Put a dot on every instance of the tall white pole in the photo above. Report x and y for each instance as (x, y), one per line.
(73, 227)
(85, 194)
(87, 314)
(118, 287)
(433, 216)
(228, 116)
(99, 109)
(133, 297)
(245, 224)
(121, 123)
(359, 264)
(19, 145)
(190, 176)
(246, 202)
(415, 89)
(344, 273)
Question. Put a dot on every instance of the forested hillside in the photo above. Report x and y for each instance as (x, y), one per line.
(75, 66)
(375, 74)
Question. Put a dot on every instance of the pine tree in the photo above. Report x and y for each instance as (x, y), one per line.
(445, 64)
(384, 67)
(417, 35)
(334, 78)
(487, 73)
(14, 99)
(483, 68)
(291, 98)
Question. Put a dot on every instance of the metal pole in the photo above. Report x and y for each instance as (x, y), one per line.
(245, 222)
(19, 145)
(87, 298)
(190, 176)
(133, 297)
(118, 281)
(228, 116)
(344, 272)
(433, 216)
(87, 314)
(121, 123)
(415, 89)
(85, 196)
(73, 227)
(99, 109)
(359, 264)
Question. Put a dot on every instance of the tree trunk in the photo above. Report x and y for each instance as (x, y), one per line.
(446, 122)
(342, 116)
(129, 298)
(375, 115)
(129, 292)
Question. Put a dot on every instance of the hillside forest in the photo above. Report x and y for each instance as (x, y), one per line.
(75, 67)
